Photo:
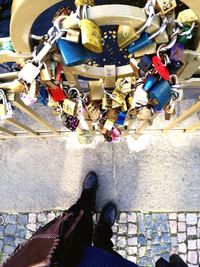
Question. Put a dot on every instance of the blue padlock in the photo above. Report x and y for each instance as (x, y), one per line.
(74, 54)
(150, 82)
(121, 118)
(145, 63)
(144, 41)
(147, 39)
(161, 94)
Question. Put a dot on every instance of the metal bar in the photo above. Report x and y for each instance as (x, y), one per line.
(35, 116)
(193, 127)
(183, 117)
(20, 126)
(6, 131)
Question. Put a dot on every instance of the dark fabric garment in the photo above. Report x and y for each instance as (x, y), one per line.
(96, 257)
(174, 261)
(5, 13)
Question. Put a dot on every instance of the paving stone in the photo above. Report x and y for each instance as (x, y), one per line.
(156, 249)
(191, 218)
(165, 248)
(164, 218)
(115, 228)
(122, 229)
(21, 231)
(140, 217)
(28, 234)
(172, 216)
(142, 240)
(148, 219)
(198, 244)
(191, 230)
(166, 256)
(142, 251)
(132, 250)
(19, 240)
(11, 219)
(181, 237)
(174, 241)
(10, 229)
(156, 226)
(51, 216)
(132, 229)
(141, 228)
(123, 217)
(121, 241)
(132, 241)
(164, 227)
(149, 233)
(114, 239)
(181, 226)
(42, 217)
(32, 227)
(2, 229)
(182, 248)
(192, 257)
(181, 217)
(173, 227)
(132, 217)
(165, 238)
(8, 249)
(156, 217)
(123, 253)
(142, 261)
(9, 240)
(132, 258)
(32, 218)
(23, 219)
(156, 239)
(192, 244)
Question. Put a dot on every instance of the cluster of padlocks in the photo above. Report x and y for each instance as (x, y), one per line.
(109, 103)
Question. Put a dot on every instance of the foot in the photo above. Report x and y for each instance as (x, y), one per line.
(108, 214)
(88, 195)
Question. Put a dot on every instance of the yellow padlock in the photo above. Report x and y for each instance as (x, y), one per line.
(69, 107)
(118, 95)
(93, 111)
(96, 90)
(90, 34)
(45, 73)
(165, 6)
(17, 86)
(106, 102)
(126, 35)
(187, 16)
(84, 2)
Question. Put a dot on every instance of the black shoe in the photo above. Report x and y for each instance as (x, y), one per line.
(88, 195)
(108, 214)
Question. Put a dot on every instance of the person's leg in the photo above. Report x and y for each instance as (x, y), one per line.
(176, 261)
(162, 263)
(103, 232)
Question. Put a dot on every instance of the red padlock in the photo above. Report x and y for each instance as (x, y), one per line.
(161, 68)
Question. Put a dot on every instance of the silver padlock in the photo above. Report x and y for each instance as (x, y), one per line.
(29, 73)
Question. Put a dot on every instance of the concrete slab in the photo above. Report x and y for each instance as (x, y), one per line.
(156, 173)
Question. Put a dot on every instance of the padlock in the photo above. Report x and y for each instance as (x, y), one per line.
(70, 122)
(33, 90)
(45, 74)
(96, 90)
(115, 104)
(148, 50)
(84, 2)
(140, 97)
(160, 68)
(57, 94)
(90, 34)
(110, 74)
(150, 82)
(175, 66)
(186, 36)
(118, 96)
(130, 102)
(116, 135)
(121, 118)
(3, 103)
(165, 6)
(126, 88)
(176, 52)
(187, 16)
(108, 125)
(106, 102)
(124, 107)
(112, 115)
(161, 94)
(69, 107)
(73, 36)
(126, 35)
(144, 114)
(146, 39)
(17, 86)
(29, 73)
(93, 111)
(74, 54)
(169, 110)
(145, 63)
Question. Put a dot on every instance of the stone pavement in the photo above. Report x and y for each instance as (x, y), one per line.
(139, 237)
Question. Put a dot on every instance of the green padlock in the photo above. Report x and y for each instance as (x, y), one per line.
(186, 36)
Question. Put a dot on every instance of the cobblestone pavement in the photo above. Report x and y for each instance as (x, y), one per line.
(139, 237)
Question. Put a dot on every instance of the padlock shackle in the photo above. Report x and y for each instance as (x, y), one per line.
(161, 29)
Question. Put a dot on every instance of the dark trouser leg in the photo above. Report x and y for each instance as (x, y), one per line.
(102, 238)
(162, 263)
(176, 261)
